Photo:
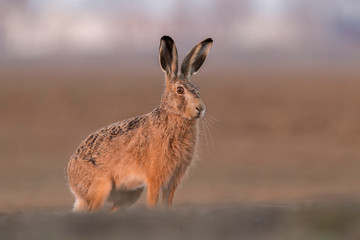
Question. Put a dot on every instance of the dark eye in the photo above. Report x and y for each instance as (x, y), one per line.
(180, 90)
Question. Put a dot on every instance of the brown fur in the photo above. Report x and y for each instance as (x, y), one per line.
(116, 162)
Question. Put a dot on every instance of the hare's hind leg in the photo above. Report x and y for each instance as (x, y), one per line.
(124, 198)
(92, 198)
(80, 205)
(97, 194)
(90, 186)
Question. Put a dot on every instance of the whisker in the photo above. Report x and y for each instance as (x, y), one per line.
(208, 130)
(204, 134)
(212, 118)
(211, 123)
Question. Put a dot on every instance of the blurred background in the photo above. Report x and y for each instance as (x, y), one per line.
(300, 30)
(281, 86)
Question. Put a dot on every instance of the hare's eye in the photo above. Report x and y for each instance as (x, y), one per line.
(180, 90)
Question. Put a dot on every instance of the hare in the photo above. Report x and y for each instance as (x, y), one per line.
(154, 150)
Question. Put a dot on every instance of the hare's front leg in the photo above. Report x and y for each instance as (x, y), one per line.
(168, 190)
(153, 189)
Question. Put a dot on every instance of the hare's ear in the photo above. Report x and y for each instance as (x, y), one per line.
(168, 56)
(195, 58)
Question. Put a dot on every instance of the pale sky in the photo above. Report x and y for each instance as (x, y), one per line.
(101, 27)
(269, 7)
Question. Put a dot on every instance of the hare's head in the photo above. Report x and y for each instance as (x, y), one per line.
(181, 96)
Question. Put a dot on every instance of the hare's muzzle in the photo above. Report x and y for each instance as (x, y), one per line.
(200, 111)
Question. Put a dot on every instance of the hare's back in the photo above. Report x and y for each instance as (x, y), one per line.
(98, 143)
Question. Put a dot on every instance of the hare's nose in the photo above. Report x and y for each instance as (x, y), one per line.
(201, 110)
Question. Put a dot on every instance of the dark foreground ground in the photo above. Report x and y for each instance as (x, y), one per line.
(316, 221)
(281, 161)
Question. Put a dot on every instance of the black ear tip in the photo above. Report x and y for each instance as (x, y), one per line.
(166, 38)
(208, 40)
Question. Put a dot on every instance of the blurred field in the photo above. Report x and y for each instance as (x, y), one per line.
(288, 137)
